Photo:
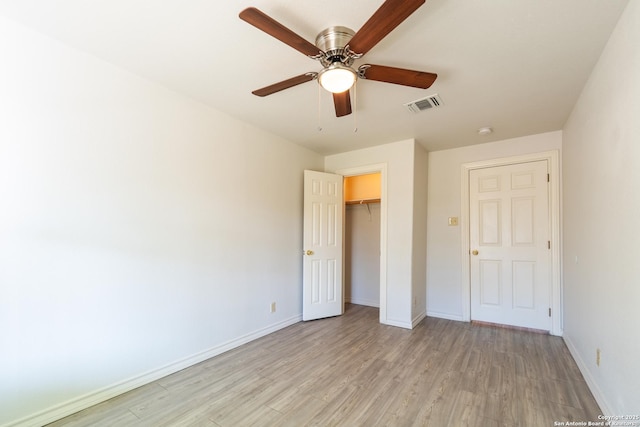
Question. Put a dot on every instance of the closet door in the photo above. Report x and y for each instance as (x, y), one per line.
(510, 249)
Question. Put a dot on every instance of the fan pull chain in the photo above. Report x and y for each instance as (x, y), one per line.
(319, 107)
(355, 106)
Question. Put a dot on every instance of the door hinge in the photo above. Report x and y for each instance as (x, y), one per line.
(548, 178)
(549, 311)
(548, 244)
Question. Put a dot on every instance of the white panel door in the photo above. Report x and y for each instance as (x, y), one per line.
(509, 241)
(322, 291)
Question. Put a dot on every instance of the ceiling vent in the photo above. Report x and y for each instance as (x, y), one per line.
(427, 103)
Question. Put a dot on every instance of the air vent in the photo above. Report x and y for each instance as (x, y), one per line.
(427, 103)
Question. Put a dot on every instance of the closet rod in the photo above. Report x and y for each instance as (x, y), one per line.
(361, 202)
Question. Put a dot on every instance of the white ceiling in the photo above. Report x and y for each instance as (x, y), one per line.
(515, 65)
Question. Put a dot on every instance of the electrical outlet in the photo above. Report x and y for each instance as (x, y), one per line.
(273, 307)
(597, 356)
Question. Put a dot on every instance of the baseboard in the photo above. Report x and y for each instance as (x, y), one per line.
(72, 406)
(418, 319)
(593, 386)
(397, 323)
(448, 316)
(360, 301)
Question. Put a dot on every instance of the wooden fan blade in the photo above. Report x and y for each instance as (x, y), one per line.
(342, 102)
(270, 26)
(399, 76)
(285, 84)
(382, 22)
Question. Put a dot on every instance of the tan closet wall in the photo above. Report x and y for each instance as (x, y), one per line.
(362, 188)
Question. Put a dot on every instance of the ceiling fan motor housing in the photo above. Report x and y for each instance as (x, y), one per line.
(332, 42)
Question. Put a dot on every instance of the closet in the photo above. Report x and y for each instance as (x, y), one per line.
(362, 239)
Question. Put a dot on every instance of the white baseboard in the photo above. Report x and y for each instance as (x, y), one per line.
(447, 316)
(593, 386)
(72, 406)
(418, 319)
(398, 323)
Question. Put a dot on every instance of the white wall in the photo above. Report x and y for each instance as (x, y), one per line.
(419, 261)
(362, 254)
(399, 159)
(601, 163)
(140, 231)
(444, 275)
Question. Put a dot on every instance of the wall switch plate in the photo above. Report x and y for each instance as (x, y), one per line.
(453, 220)
(273, 307)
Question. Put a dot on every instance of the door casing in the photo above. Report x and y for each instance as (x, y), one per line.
(554, 222)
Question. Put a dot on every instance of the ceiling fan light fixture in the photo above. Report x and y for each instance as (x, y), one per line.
(337, 78)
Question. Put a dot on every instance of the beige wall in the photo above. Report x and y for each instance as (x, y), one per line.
(140, 231)
(419, 253)
(601, 163)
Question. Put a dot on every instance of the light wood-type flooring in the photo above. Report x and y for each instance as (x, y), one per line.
(353, 371)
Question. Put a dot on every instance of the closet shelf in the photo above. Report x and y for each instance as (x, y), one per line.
(361, 202)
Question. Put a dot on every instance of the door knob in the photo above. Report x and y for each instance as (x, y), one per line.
(309, 252)
(475, 252)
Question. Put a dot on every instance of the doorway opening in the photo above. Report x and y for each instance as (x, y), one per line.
(365, 254)
(362, 239)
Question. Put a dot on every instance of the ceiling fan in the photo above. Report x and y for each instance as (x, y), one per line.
(338, 47)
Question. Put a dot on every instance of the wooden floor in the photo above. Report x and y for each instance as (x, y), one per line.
(352, 371)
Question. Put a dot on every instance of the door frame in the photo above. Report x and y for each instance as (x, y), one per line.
(552, 158)
(363, 170)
